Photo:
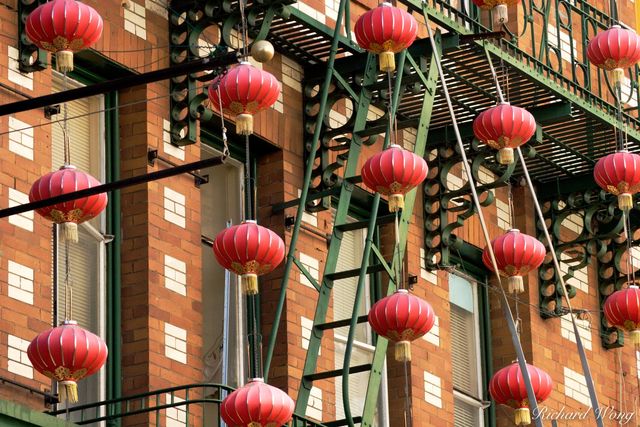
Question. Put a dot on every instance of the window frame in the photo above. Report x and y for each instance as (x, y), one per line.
(482, 340)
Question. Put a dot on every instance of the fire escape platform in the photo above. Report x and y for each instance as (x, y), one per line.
(567, 145)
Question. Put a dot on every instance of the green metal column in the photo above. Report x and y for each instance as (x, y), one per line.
(114, 319)
(430, 82)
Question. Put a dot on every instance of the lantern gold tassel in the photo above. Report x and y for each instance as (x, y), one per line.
(387, 61)
(69, 232)
(64, 61)
(625, 201)
(68, 391)
(396, 202)
(244, 124)
(634, 337)
(250, 284)
(500, 14)
(617, 75)
(515, 284)
(505, 156)
(522, 417)
(403, 351)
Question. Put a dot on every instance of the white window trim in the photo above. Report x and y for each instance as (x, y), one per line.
(239, 339)
(479, 404)
(476, 318)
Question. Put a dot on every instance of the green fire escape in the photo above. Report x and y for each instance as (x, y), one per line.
(538, 70)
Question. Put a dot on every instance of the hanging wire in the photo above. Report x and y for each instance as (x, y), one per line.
(225, 142)
(68, 285)
(65, 127)
(507, 310)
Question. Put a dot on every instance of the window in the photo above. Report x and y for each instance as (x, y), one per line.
(87, 258)
(466, 352)
(222, 204)
(343, 299)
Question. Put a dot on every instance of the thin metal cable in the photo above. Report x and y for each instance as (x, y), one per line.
(583, 358)
(243, 22)
(505, 303)
(65, 128)
(223, 129)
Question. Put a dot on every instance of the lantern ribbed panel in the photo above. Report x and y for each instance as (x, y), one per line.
(614, 48)
(490, 4)
(504, 126)
(67, 352)
(394, 171)
(618, 173)
(516, 253)
(507, 386)
(401, 316)
(248, 248)
(245, 89)
(622, 309)
(385, 29)
(64, 25)
(257, 404)
(66, 180)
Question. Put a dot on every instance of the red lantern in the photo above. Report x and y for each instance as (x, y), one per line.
(499, 9)
(516, 255)
(386, 30)
(69, 214)
(622, 310)
(402, 318)
(614, 49)
(394, 172)
(67, 354)
(249, 250)
(507, 388)
(504, 127)
(63, 27)
(619, 174)
(257, 404)
(244, 90)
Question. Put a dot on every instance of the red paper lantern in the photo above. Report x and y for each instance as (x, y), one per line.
(614, 49)
(619, 174)
(63, 27)
(516, 255)
(244, 90)
(504, 127)
(249, 250)
(622, 310)
(499, 9)
(386, 30)
(507, 388)
(257, 404)
(394, 172)
(402, 318)
(69, 214)
(67, 354)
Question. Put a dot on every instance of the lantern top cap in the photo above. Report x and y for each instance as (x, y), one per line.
(249, 221)
(256, 380)
(402, 291)
(633, 286)
(67, 167)
(69, 322)
(395, 146)
(514, 230)
(245, 63)
(386, 4)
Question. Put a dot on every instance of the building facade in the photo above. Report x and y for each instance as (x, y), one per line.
(179, 329)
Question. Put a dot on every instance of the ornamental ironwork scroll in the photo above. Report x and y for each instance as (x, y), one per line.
(588, 230)
(30, 58)
(447, 198)
(199, 29)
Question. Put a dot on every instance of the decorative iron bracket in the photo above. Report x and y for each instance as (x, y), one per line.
(587, 229)
(30, 58)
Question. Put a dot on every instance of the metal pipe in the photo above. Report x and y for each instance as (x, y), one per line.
(116, 185)
(505, 302)
(583, 357)
(119, 84)
(304, 192)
